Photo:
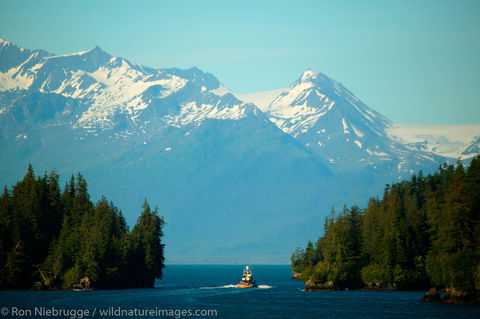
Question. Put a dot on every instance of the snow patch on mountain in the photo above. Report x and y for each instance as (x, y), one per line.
(345, 127)
(71, 54)
(221, 90)
(291, 96)
(382, 154)
(15, 79)
(194, 113)
(356, 131)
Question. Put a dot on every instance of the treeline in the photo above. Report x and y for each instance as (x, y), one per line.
(423, 233)
(53, 239)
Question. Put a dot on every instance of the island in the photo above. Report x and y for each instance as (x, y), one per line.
(53, 239)
(424, 234)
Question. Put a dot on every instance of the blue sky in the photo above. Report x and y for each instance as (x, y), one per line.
(413, 61)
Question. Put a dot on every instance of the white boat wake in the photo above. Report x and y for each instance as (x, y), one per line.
(229, 286)
(264, 287)
(236, 286)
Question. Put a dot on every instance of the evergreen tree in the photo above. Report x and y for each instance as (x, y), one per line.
(147, 247)
(454, 258)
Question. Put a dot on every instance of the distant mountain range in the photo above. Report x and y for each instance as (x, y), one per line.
(239, 177)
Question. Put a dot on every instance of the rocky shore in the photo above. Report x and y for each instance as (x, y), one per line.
(451, 295)
(327, 286)
(447, 295)
(295, 276)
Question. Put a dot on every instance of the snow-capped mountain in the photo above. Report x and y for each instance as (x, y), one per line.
(332, 122)
(118, 91)
(216, 162)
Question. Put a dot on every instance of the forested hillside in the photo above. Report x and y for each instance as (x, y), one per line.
(423, 233)
(53, 239)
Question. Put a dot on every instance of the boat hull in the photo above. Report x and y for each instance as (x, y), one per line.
(247, 279)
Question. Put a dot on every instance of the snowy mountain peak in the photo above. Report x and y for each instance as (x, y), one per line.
(309, 75)
(84, 60)
(11, 55)
(96, 51)
(320, 81)
(4, 42)
(316, 102)
(7, 44)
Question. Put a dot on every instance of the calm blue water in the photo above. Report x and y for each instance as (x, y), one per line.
(203, 287)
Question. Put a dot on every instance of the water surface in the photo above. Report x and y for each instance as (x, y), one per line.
(211, 287)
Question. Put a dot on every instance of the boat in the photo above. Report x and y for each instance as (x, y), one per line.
(247, 279)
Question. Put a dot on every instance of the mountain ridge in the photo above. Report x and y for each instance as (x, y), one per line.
(113, 74)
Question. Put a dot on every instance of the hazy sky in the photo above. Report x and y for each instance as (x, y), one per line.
(413, 61)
